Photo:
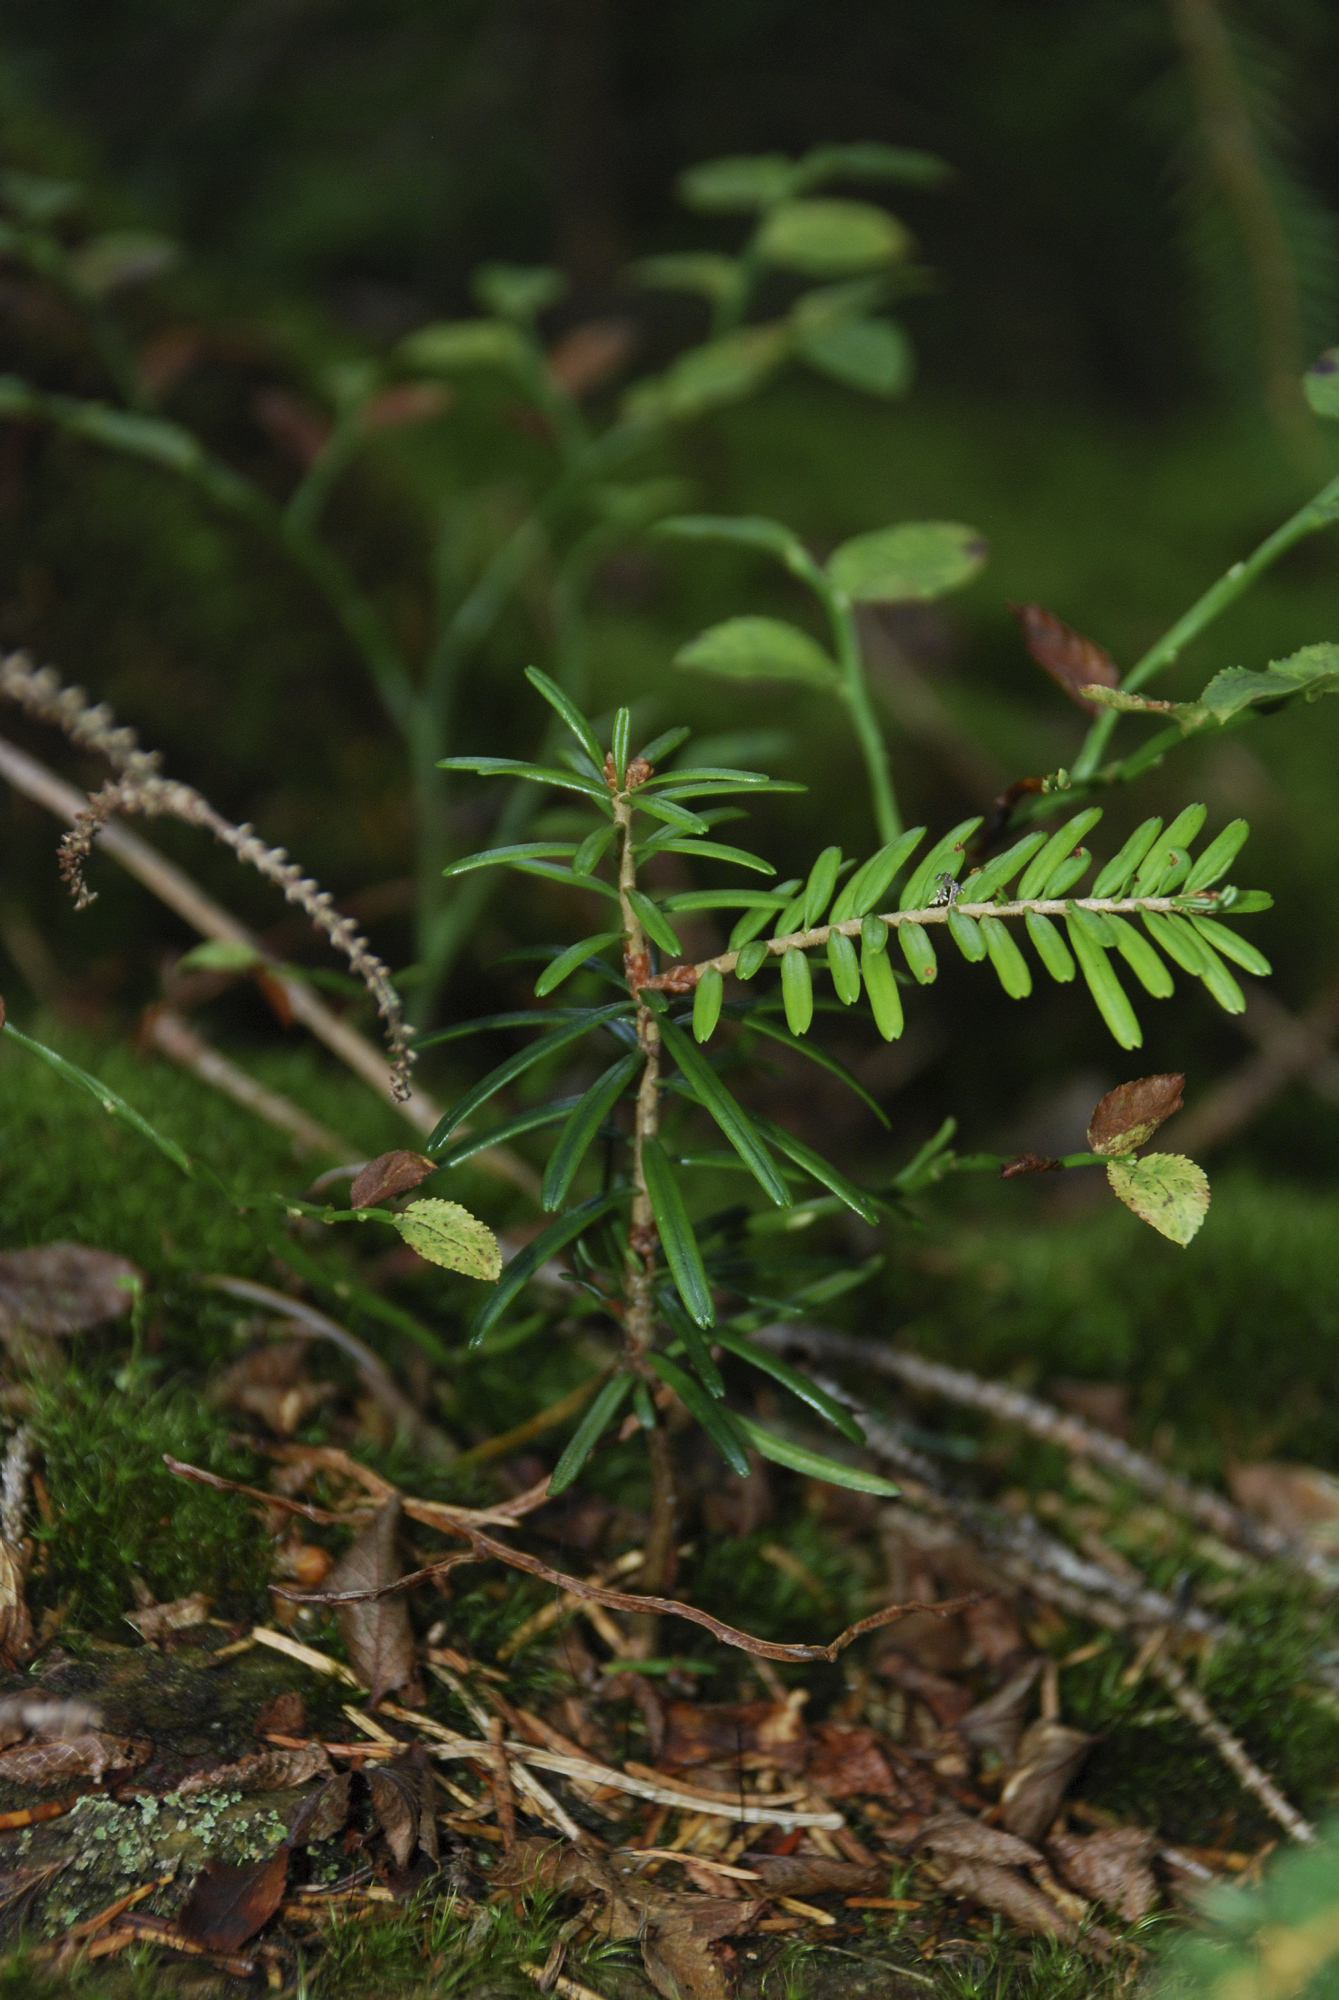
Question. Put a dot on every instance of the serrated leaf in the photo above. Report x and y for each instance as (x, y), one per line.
(585, 1120)
(599, 1415)
(912, 563)
(791, 1378)
(813, 1464)
(519, 1270)
(676, 1234)
(720, 1424)
(1128, 1116)
(737, 185)
(733, 1121)
(830, 239)
(447, 1234)
(755, 649)
(1308, 674)
(1165, 1190)
(874, 355)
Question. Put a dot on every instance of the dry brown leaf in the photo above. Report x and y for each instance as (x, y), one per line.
(45, 1717)
(377, 1631)
(1129, 1115)
(405, 403)
(262, 1771)
(963, 1839)
(16, 1627)
(1104, 1405)
(1300, 1500)
(1111, 1866)
(229, 1905)
(59, 1288)
(285, 1715)
(90, 1755)
(711, 1732)
(323, 1813)
(847, 1760)
(812, 1874)
(155, 1621)
(1000, 1889)
(948, 1701)
(996, 1725)
(1073, 661)
(271, 1383)
(993, 1632)
(1048, 1760)
(389, 1174)
(402, 1799)
(1029, 1163)
(682, 1946)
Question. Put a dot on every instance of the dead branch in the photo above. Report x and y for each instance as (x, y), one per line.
(1071, 1433)
(1230, 1748)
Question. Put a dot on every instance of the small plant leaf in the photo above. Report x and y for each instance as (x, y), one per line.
(1321, 383)
(1050, 947)
(389, 1174)
(912, 563)
(708, 995)
(572, 960)
(719, 1423)
(1061, 844)
(986, 882)
(870, 354)
(1236, 948)
(587, 1116)
(715, 1098)
(1308, 674)
(831, 239)
(503, 857)
(944, 858)
(881, 985)
(966, 933)
(818, 889)
(538, 774)
(866, 886)
(517, 291)
(822, 1170)
(1119, 873)
(600, 1413)
(704, 271)
(748, 531)
(533, 1120)
(221, 955)
(752, 955)
(506, 1072)
(1165, 1190)
(713, 850)
(737, 185)
(812, 1463)
(1103, 984)
(447, 1234)
(1011, 967)
(918, 952)
(1073, 661)
(676, 1234)
(709, 377)
(799, 1384)
(449, 345)
(755, 649)
(1128, 1116)
(844, 967)
(1141, 958)
(797, 991)
(563, 705)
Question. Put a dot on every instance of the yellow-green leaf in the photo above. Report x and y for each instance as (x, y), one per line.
(1166, 1190)
(447, 1234)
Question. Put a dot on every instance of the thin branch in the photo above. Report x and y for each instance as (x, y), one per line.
(1230, 1748)
(173, 1036)
(1071, 1433)
(682, 978)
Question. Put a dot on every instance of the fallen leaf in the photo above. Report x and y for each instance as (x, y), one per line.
(155, 1621)
(811, 1874)
(1049, 1757)
(996, 1725)
(323, 1813)
(229, 1905)
(271, 1383)
(389, 1174)
(948, 1701)
(49, 1718)
(993, 1632)
(1128, 1116)
(262, 1771)
(377, 1631)
(57, 1288)
(1111, 1866)
(403, 1802)
(1104, 1405)
(285, 1715)
(1000, 1889)
(847, 1761)
(1073, 661)
(90, 1755)
(716, 1732)
(16, 1627)
(677, 1945)
(963, 1839)
(1300, 1500)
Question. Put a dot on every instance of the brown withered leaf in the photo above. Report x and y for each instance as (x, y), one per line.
(1048, 1760)
(993, 1631)
(57, 1288)
(155, 1621)
(1000, 1889)
(284, 1715)
(1029, 1163)
(963, 1839)
(683, 1950)
(405, 403)
(812, 1874)
(710, 1732)
(1300, 1500)
(1111, 1866)
(229, 1905)
(377, 1631)
(948, 1701)
(90, 1755)
(271, 1383)
(262, 1771)
(389, 1174)
(402, 1800)
(16, 1627)
(323, 1813)
(1129, 1115)
(1073, 661)
(996, 1724)
(846, 1760)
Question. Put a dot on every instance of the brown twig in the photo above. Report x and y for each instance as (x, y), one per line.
(504, 1798)
(1071, 1433)
(1230, 1748)
(173, 1036)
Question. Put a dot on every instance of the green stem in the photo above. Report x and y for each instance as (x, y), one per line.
(1321, 511)
(863, 718)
